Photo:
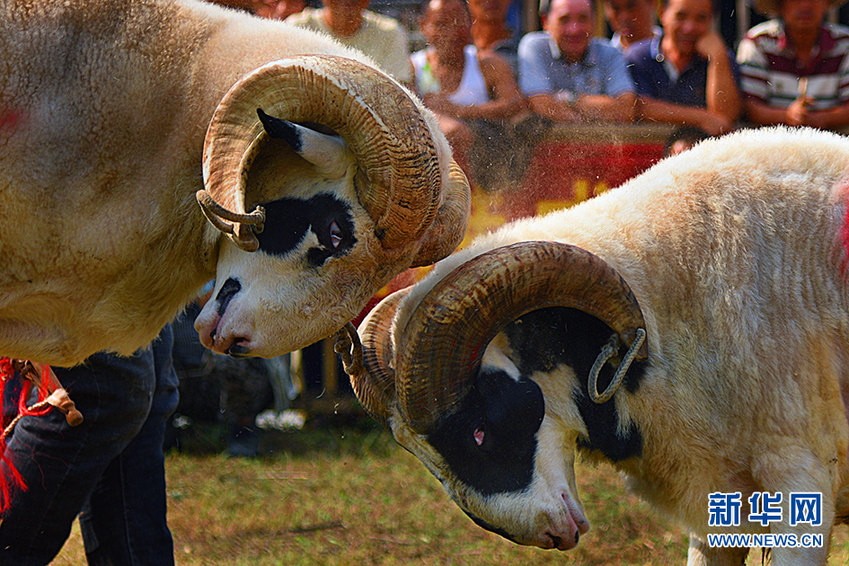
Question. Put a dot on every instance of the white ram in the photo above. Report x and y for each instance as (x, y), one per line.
(114, 114)
(723, 274)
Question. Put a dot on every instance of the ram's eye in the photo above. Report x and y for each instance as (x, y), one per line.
(335, 235)
(479, 436)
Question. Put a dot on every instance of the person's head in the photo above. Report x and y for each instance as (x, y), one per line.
(631, 19)
(278, 9)
(683, 138)
(492, 12)
(445, 24)
(684, 23)
(347, 11)
(286, 8)
(570, 25)
(799, 16)
(803, 16)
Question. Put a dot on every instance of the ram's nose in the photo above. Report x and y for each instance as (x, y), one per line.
(565, 527)
(212, 318)
(562, 542)
(565, 533)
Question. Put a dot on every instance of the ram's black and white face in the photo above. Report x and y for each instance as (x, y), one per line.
(318, 263)
(507, 455)
(500, 457)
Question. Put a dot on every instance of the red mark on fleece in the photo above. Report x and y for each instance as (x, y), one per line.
(844, 230)
(10, 118)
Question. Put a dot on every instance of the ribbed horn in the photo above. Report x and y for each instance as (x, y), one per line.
(451, 222)
(441, 347)
(372, 376)
(378, 120)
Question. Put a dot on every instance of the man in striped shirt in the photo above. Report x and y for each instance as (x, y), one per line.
(795, 69)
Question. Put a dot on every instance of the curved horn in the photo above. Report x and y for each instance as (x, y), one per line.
(241, 228)
(370, 371)
(451, 222)
(444, 340)
(382, 125)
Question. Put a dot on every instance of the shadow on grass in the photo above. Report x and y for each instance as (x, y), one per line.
(353, 433)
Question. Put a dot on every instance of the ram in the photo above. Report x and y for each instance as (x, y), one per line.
(690, 327)
(118, 118)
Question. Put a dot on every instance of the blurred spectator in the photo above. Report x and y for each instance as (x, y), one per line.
(687, 76)
(491, 32)
(380, 37)
(277, 9)
(683, 138)
(246, 5)
(568, 76)
(473, 93)
(271, 9)
(632, 21)
(795, 68)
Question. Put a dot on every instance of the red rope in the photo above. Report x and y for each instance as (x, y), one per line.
(11, 479)
(844, 239)
(7, 370)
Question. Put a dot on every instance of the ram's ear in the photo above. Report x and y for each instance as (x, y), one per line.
(330, 155)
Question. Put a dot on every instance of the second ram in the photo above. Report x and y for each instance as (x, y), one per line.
(690, 327)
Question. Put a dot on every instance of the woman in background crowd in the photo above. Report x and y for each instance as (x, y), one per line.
(473, 93)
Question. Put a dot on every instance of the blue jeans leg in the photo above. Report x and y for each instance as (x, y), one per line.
(61, 465)
(124, 521)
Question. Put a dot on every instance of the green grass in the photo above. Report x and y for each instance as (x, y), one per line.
(344, 496)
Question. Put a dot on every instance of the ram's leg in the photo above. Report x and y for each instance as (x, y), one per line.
(810, 555)
(700, 554)
(788, 556)
(804, 534)
(790, 471)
